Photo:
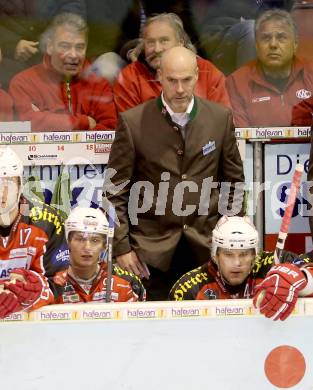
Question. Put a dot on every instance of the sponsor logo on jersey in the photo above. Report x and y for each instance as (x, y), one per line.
(6, 266)
(61, 255)
(71, 298)
(303, 94)
(101, 295)
(184, 286)
(18, 252)
(263, 260)
(261, 99)
(210, 294)
(42, 213)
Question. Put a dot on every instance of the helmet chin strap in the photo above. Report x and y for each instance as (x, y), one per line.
(224, 281)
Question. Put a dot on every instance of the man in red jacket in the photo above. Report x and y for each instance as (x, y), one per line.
(138, 82)
(263, 92)
(57, 95)
(6, 105)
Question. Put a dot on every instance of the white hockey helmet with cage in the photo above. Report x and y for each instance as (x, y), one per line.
(234, 233)
(86, 220)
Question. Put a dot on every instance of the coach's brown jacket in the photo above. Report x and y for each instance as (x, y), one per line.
(149, 148)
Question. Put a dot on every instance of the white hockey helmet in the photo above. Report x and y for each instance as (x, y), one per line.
(234, 233)
(86, 220)
(10, 164)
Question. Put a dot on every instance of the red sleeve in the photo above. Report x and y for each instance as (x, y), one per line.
(42, 120)
(216, 88)
(237, 102)
(302, 113)
(102, 108)
(6, 106)
(125, 90)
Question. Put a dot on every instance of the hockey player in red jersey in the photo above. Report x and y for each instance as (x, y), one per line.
(236, 271)
(86, 231)
(33, 252)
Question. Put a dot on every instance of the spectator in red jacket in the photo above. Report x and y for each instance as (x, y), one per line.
(57, 95)
(6, 105)
(264, 91)
(302, 113)
(21, 24)
(138, 81)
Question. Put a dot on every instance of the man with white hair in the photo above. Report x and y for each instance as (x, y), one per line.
(58, 95)
(33, 251)
(86, 231)
(236, 270)
(139, 81)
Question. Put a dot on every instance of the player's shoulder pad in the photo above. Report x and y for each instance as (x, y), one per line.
(45, 216)
(132, 279)
(188, 283)
(117, 270)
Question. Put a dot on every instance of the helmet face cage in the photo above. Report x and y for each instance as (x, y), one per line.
(234, 233)
(86, 220)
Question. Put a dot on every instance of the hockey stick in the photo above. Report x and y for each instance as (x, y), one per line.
(285, 223)
(110, 236)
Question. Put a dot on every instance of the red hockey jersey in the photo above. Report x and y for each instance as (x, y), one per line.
(127, 288)
(36, 242)
(205, 282)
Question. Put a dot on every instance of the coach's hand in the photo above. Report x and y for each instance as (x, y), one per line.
(130, 262)
(277, 295)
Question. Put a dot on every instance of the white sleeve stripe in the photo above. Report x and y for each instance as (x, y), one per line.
(308, 289)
